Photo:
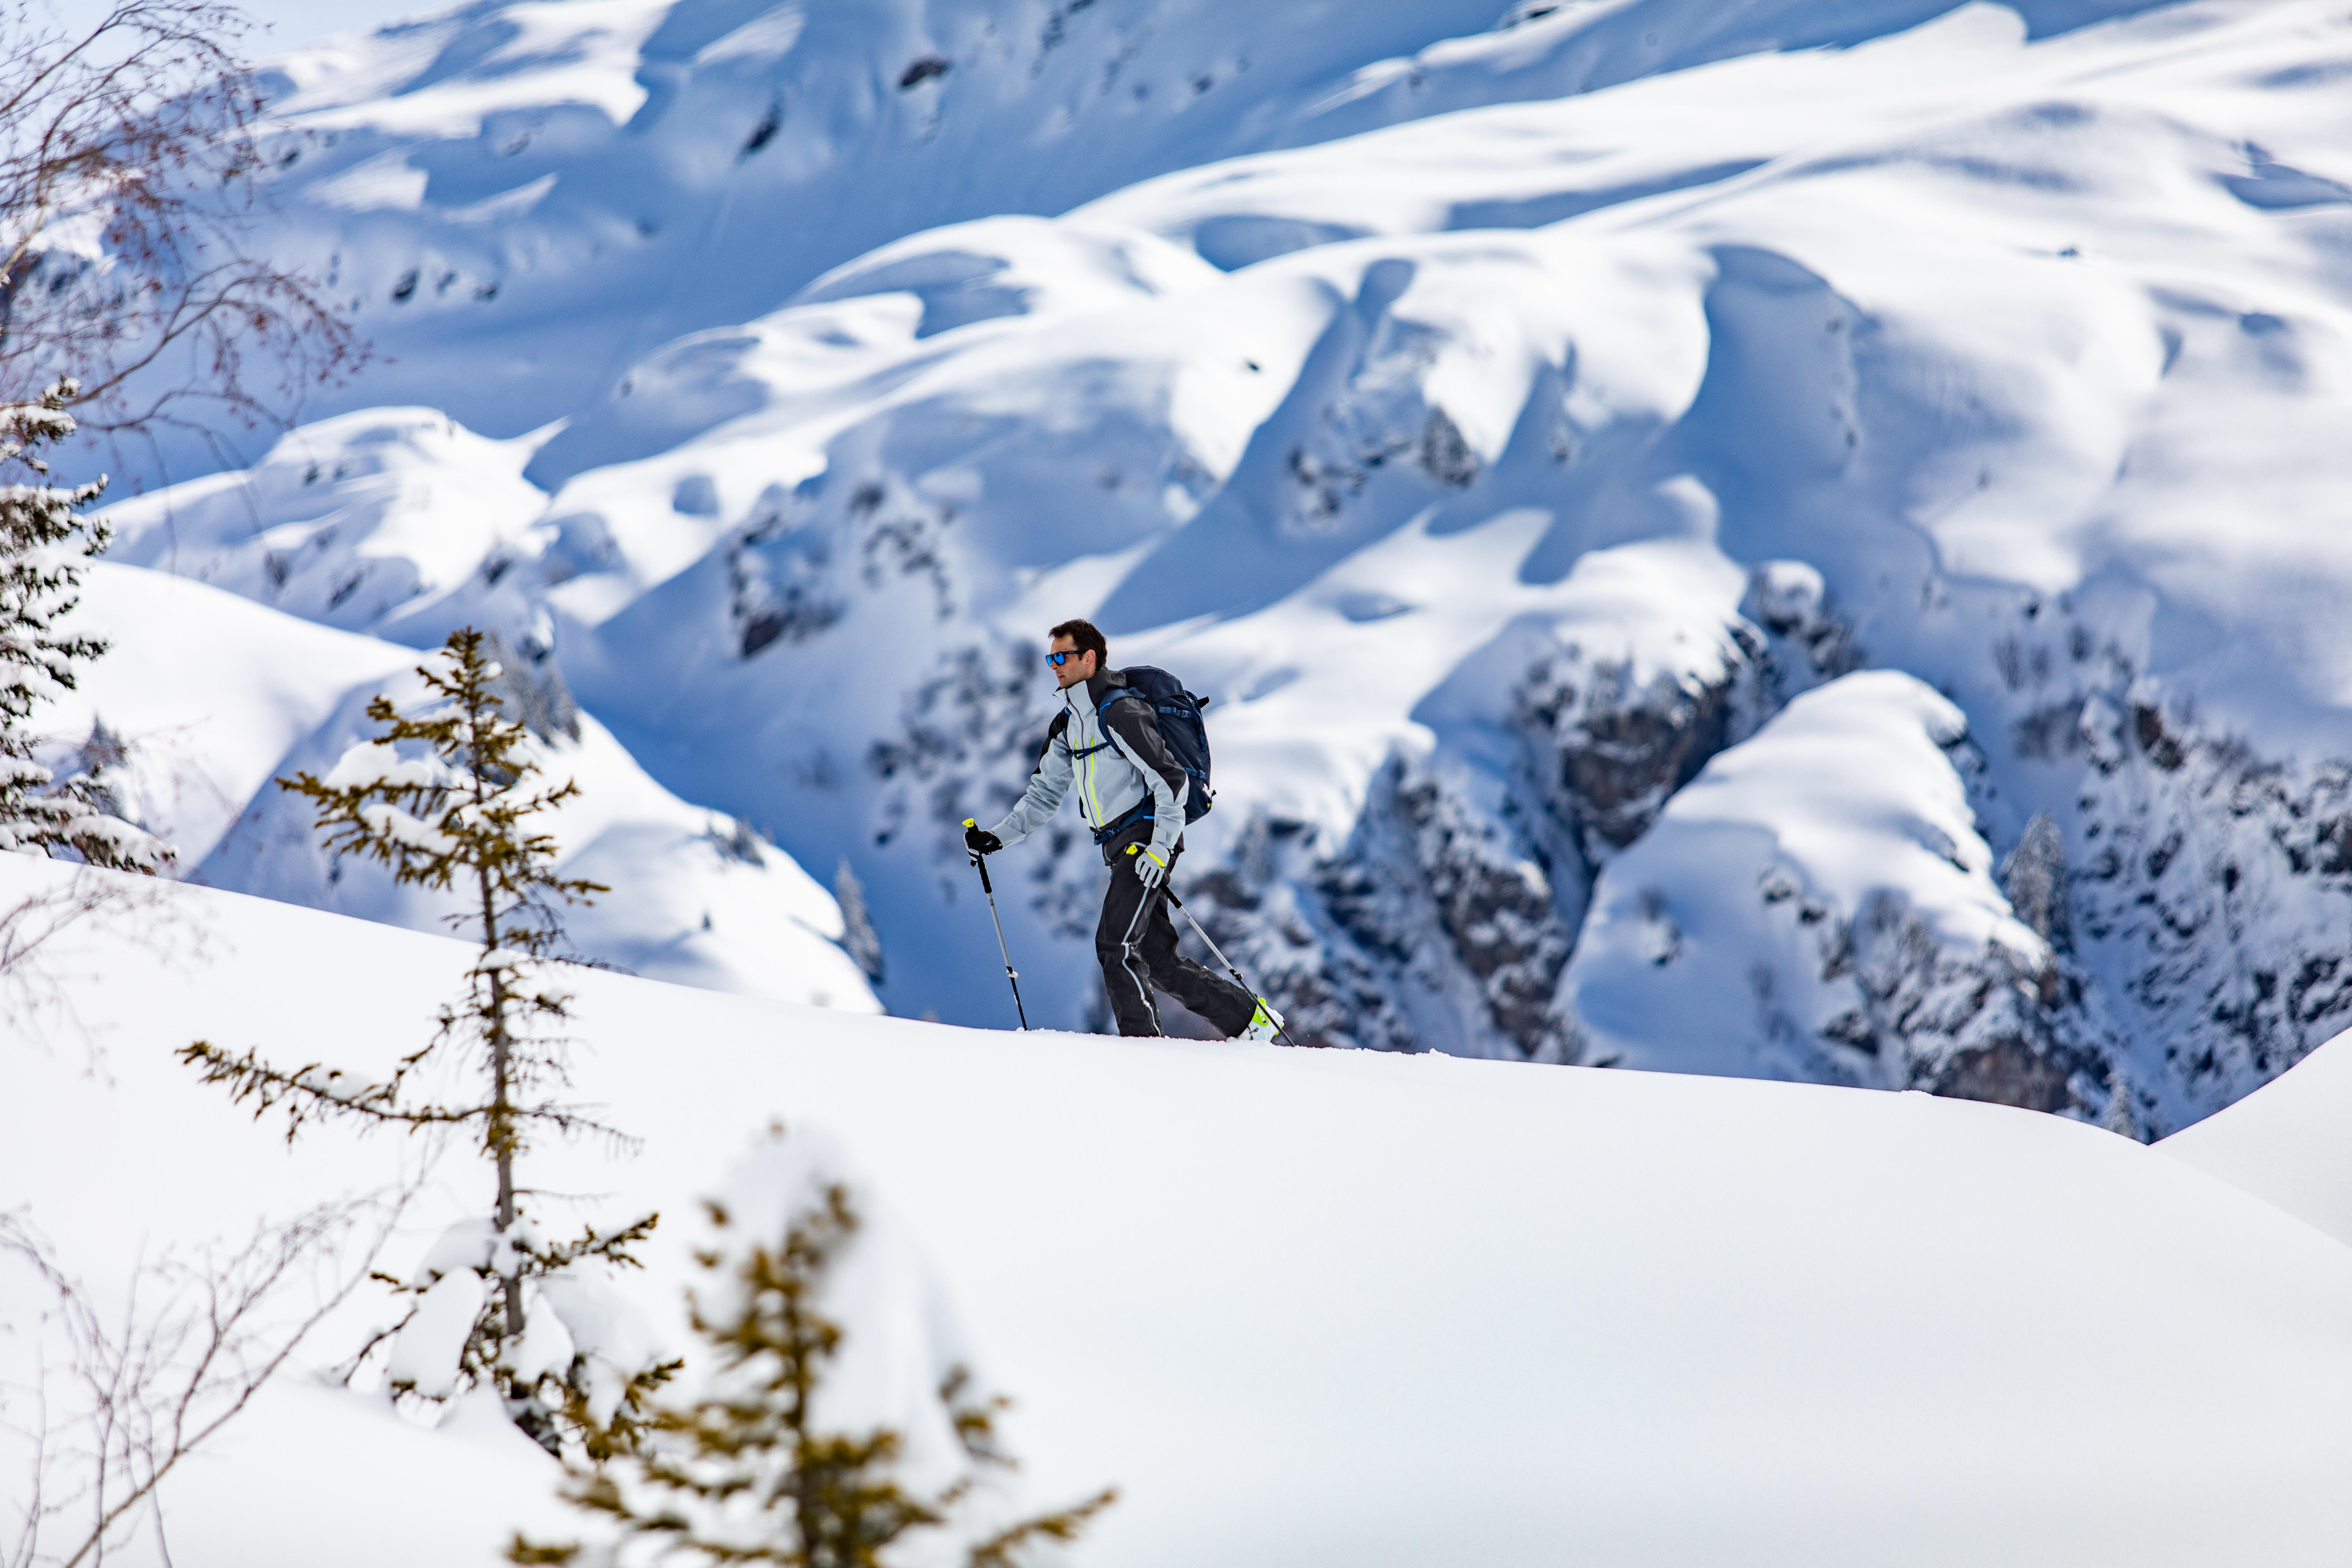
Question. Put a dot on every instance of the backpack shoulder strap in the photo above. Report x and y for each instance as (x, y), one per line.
(1055, 731)
(1114, 695)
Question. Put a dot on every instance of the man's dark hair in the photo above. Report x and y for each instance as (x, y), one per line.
(1082, 634)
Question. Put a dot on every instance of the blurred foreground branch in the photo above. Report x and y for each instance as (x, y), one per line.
(132, 168)
(130, 1393)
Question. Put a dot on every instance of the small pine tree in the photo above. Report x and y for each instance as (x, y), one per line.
(457, 814)
(44, 538)
(749, 1474)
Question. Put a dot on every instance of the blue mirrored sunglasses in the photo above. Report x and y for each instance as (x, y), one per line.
(1059, 659)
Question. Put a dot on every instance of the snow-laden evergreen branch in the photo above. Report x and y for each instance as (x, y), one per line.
(749, 1473)
(610, 1246)
(44, 538)
(315, 1092)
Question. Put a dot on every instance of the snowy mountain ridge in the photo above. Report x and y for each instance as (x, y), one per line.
(554, 190)
(1504, 468)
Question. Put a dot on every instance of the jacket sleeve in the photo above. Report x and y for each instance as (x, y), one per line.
(1044, 797)
(1130, 726)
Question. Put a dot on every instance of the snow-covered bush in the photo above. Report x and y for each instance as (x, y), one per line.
(44, 538)
(801, 1449)
(456, 809)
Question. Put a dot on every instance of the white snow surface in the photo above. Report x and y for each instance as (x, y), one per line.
(425, 1353)
(2283, 1143)
(1298, 1305)
(564, 188)
(206, 692)
(1660, 494)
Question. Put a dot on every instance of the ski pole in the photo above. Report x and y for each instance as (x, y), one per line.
(1228, 963)
(980, 864)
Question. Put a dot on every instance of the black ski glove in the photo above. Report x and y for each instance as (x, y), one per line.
(979, 840)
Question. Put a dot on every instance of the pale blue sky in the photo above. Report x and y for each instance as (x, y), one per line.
(300, 21)
(290, 22)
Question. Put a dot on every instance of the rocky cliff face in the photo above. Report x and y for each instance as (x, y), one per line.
(1443, 920)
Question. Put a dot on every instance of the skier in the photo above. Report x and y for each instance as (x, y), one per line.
(1131, 793)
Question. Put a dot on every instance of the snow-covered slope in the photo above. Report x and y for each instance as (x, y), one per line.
(392, 520)
(1305, 1306)
(1493, 455)
(2284, 1142)
(205, 700)
(546, 194)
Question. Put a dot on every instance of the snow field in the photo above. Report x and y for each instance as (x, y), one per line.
(2279, 1142)
(1367, 1308)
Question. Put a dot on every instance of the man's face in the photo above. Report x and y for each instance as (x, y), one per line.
(1073, 669)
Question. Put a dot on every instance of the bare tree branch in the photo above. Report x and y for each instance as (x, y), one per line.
(35, 967)
(133, 160)
(157, 1380)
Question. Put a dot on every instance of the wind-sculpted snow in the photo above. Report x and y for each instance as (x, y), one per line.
(1491, 472)
(544, 195)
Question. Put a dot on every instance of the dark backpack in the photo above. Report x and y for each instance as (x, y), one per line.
(1181, 731)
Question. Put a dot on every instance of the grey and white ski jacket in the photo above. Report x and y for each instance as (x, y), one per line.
(1113, 759)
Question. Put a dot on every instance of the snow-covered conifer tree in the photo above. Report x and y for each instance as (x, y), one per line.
(2122, 1117)
(44, 538)
(457, 811)
(754, 1472)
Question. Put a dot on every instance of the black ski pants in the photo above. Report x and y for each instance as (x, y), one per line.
(1136, 944)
